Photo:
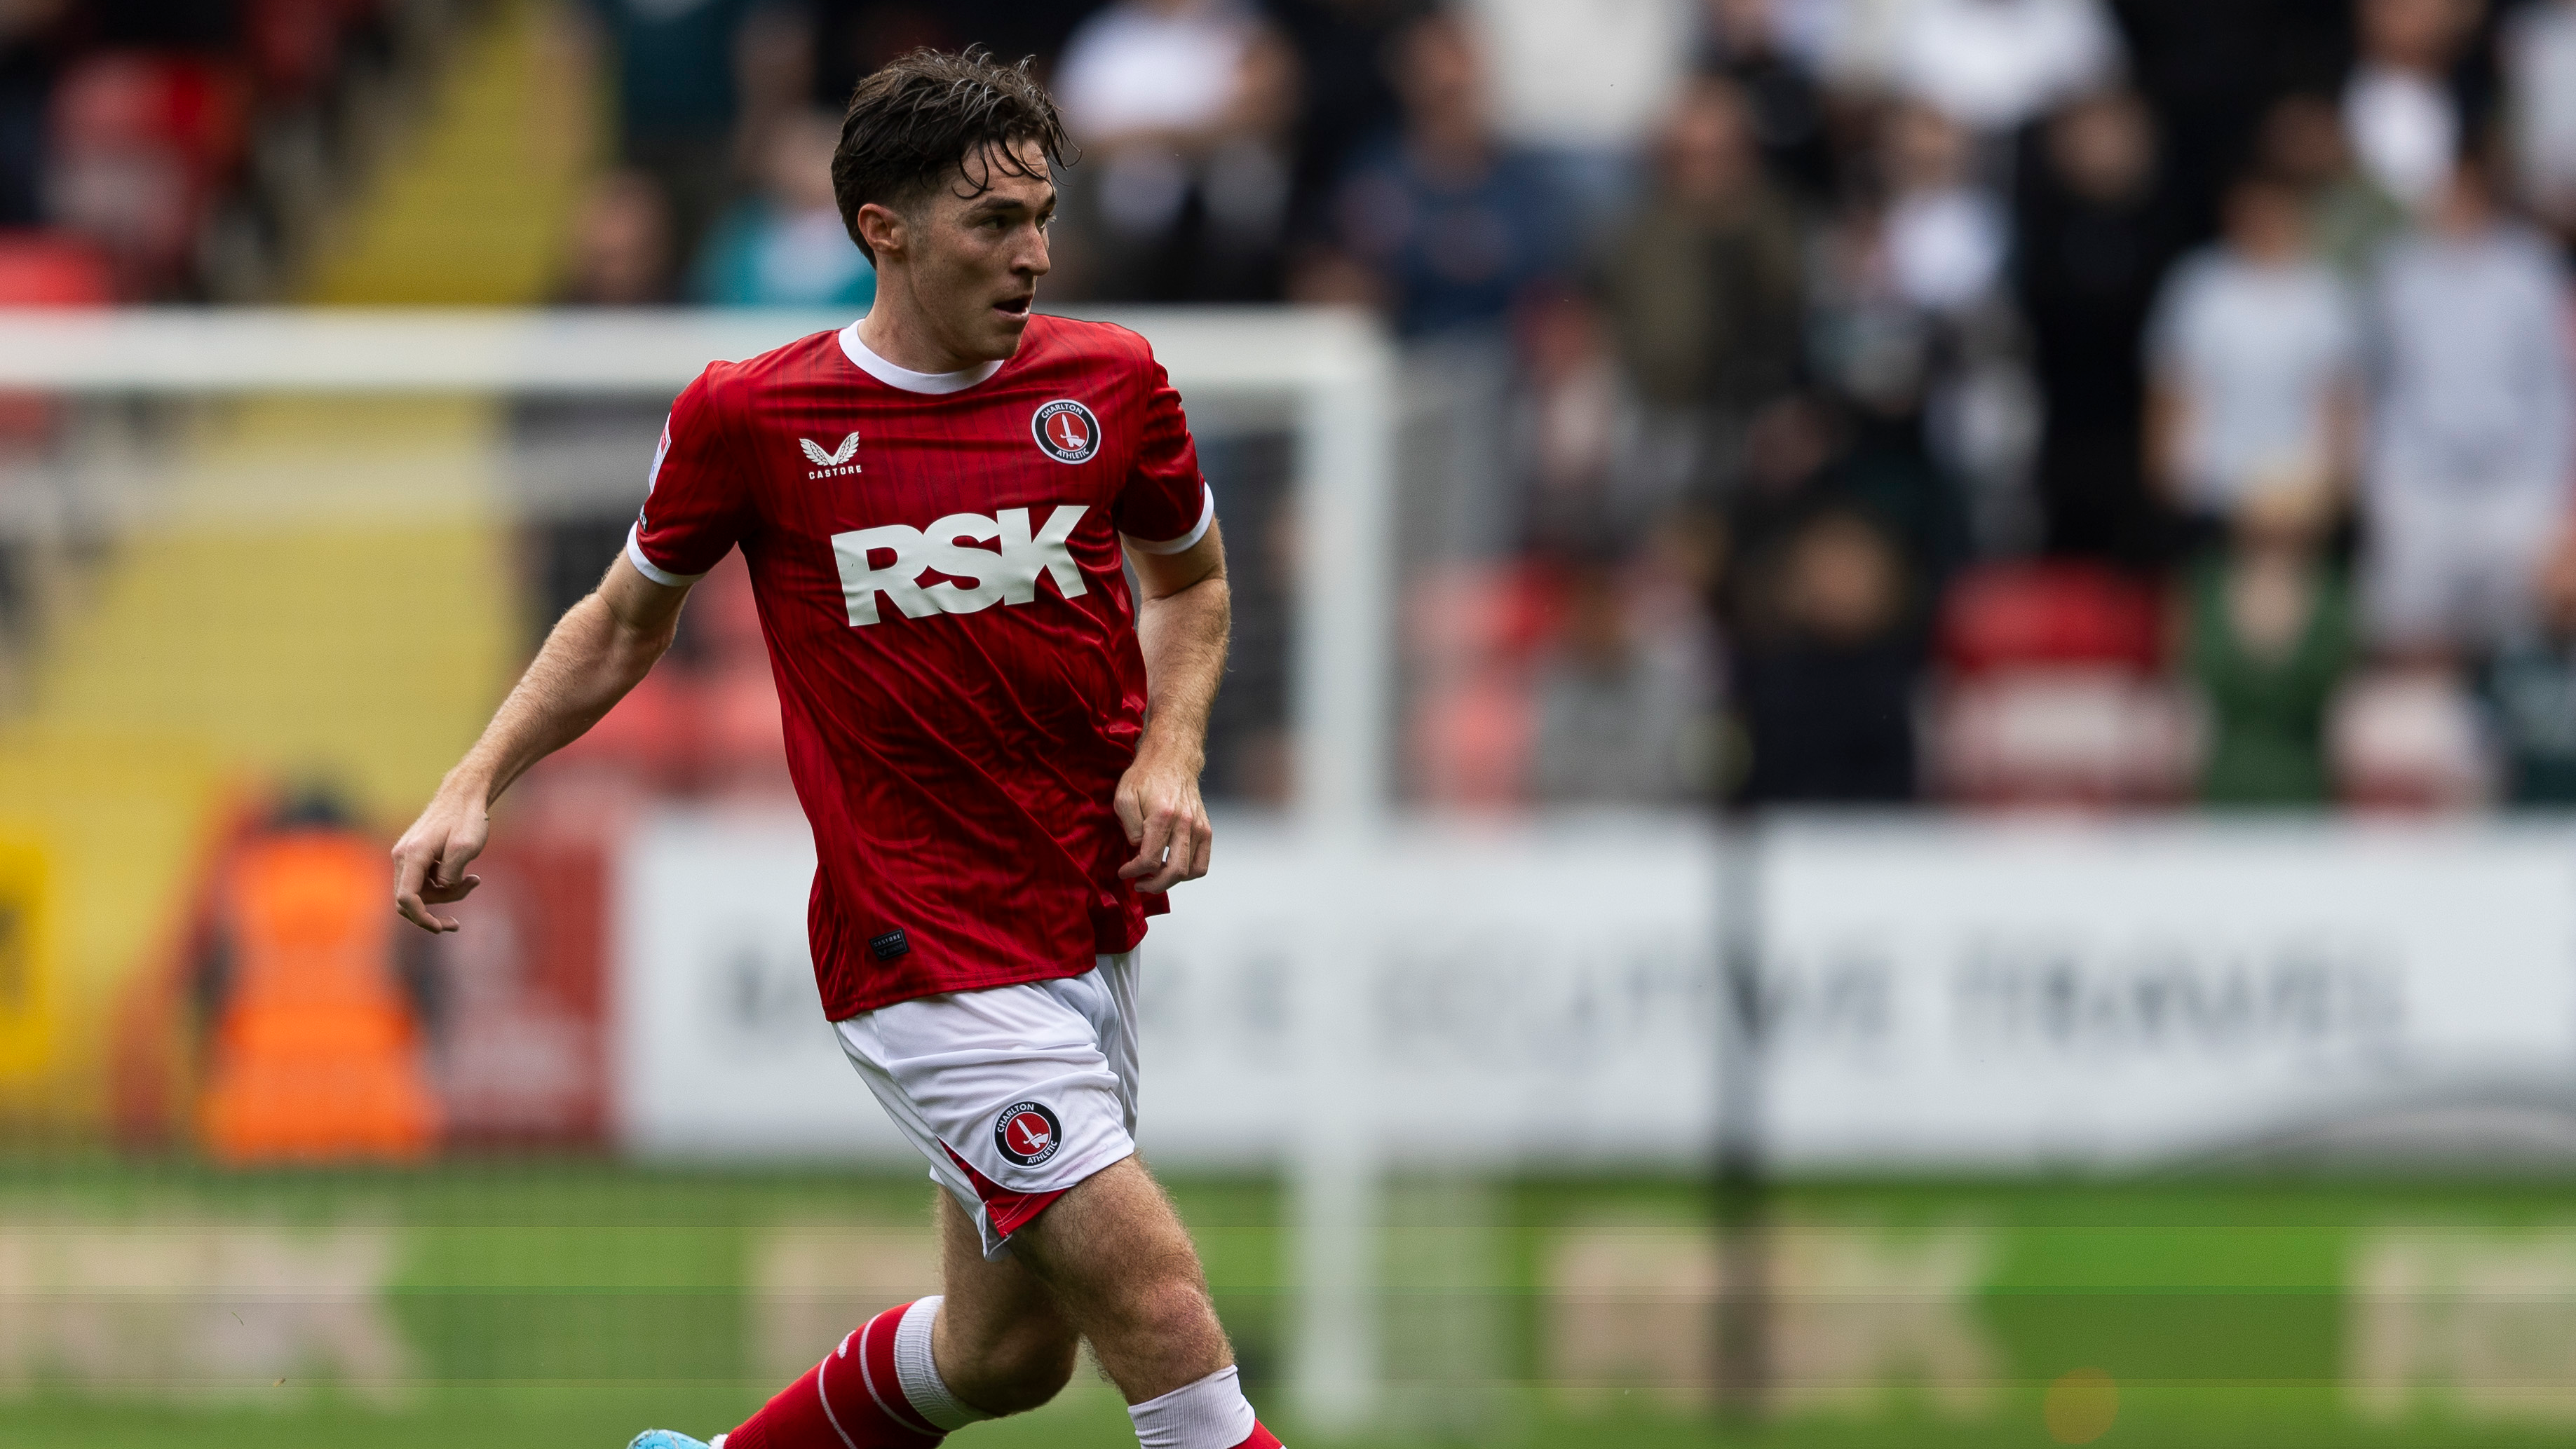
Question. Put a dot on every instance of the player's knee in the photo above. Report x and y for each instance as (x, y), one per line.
(1170, 1307)
(1020, 1371)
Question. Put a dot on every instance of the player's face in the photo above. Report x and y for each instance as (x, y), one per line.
(981, 256)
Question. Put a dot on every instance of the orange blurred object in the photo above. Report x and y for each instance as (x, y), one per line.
(315, 1054)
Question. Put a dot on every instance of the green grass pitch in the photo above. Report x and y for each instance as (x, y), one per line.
(565, 1304)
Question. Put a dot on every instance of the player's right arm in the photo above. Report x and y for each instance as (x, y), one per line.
(694, 509)
(598, 651)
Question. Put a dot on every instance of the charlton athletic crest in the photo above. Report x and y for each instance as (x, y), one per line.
(1027, 1132)
(1067, 431)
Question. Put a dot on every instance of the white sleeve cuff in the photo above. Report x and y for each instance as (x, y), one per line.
(650, 570)
(1187, 541)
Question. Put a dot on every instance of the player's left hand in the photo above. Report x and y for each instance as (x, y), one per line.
(1158, 801)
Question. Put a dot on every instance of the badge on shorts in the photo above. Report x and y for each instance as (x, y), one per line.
(1066, 431)
(1027, 1133)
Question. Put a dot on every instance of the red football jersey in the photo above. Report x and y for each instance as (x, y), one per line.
(936, 559)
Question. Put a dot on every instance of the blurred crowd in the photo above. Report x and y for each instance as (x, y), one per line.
(1828, 400)
(170, 150)
(2091, 401)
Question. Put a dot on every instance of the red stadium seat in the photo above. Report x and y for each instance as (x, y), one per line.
(1471, 740)
(140, 147)
(2066, 736)
(2009, 615)
(2408, 740)
(1472, 633)
(52, 269)
(2048, 692)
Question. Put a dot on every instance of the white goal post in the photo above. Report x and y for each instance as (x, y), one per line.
(1326, 376)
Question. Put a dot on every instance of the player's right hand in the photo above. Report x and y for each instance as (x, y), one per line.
(430, 859)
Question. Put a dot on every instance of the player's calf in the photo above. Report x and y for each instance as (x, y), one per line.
(1118, 1260)
(880, 1389)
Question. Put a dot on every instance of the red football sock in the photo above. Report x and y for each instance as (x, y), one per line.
(1261, 1439)
(848, 1401)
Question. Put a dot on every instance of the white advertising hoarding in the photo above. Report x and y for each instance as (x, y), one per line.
(1952, 993)
(1458, 998)
(721, 1047)
(1935, 993)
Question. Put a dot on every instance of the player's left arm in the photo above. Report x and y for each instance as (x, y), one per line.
(1181, 622)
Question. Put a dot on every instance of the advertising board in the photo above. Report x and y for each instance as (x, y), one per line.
(1940, 994)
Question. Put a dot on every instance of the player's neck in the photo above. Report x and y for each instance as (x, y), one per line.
(896, 330)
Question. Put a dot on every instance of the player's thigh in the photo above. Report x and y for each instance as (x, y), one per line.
(1113, 1233)
(995, 1309)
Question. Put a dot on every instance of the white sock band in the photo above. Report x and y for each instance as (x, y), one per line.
(1209, 1414)
(918, 1372)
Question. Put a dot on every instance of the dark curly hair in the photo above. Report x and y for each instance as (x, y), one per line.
(925, 117)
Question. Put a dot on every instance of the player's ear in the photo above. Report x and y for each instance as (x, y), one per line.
(884, 228)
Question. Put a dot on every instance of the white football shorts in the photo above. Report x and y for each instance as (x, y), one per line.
(1014, 1093)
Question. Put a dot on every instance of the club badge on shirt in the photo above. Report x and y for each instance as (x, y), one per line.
(1066, 431)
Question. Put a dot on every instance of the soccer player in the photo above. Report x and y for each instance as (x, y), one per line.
(997, 744)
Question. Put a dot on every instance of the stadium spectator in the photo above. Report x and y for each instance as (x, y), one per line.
(1825, 687)
(2267, 639)
(2211, 68)
(2538, 58)
(1617, 719)
(787, 246)
(2350, 218)
(1912, 324)
(1750, 43)
(2530, 690)
(1705, 283)
(2398, 106)
(676, 98)
(1946, 236)
(621, 251)
(2472, 442)
(27, 64)
(2252, 364)
(774, 73)
(1184, 107)
(1445, 224)
(853, 40)
(1347, 93)
(1790, 468)
(1865, 340)
(1990, 65)
(2095, 234)
(1583, 86)
(1568, 423)
(189, 25)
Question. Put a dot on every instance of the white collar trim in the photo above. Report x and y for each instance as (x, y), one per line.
(865, 360)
